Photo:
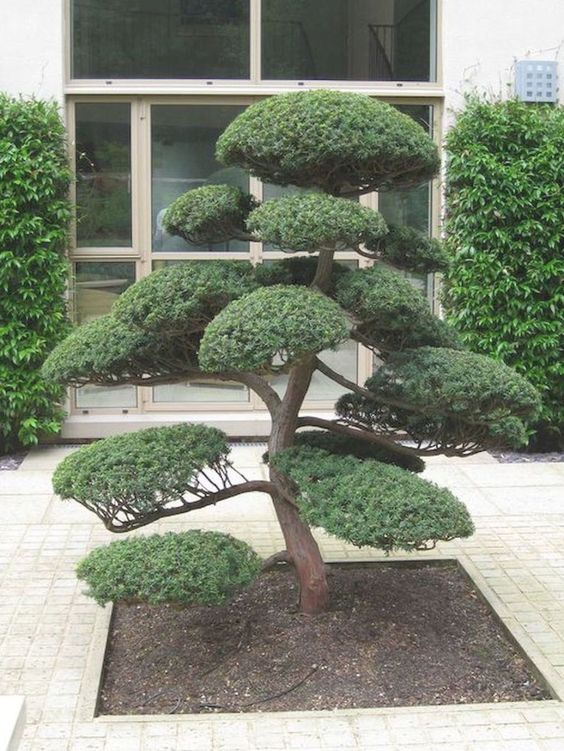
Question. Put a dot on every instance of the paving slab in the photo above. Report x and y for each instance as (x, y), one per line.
(52, 635)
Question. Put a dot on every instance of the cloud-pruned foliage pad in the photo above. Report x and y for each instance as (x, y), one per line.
(408, 249)
(211, 214)
(143, 471)
(345, 446)
(182, 568)
(308, 222)
(298, 270)
(446, 397)
(392, 313)
(100, 350)
(329, 139)
(270, 328)
(371, 504)
(184, 298)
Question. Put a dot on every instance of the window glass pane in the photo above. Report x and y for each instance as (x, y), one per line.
(98, 285)
(344, 360)
(201, 390)
(183, 158)
(111, 397)
(103, 173)
(348, 40)
(411, 208)
(322, 389)
(160, 39)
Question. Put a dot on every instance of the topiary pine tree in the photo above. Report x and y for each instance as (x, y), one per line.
(354, 475)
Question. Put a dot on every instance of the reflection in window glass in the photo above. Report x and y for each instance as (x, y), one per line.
(348, 40)
(199, 391)
(160, 39)
(103, 170)
(202, 390)
(344, 360)
(99, 397)
(183, 158)
(98, 285)
(410, 208)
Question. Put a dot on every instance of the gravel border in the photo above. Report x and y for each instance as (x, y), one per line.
(518, 457)
(10, 462)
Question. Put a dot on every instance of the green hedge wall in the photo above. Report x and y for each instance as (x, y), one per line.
(34, 218)
(505, 220)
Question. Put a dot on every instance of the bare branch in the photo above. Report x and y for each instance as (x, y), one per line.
(135, 519)
(282, 557)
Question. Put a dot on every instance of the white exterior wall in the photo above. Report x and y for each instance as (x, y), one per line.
(31, 48)
(482, 39)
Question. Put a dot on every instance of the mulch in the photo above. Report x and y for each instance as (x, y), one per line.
(394, 635)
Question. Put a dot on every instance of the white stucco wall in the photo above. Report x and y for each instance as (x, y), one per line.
(31, 48)
(482, 39)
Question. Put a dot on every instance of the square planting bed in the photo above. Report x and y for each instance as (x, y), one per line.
(396, 634)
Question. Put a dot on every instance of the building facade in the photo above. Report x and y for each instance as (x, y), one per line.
(147, 86)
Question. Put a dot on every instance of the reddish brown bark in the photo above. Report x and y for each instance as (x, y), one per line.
(300, 543)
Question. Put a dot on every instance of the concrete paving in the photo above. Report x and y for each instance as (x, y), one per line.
(52, 636)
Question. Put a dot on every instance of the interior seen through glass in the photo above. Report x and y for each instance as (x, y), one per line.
(347, 40)
(103, 174)
(183, 158)
(161, 39)
(183, 144)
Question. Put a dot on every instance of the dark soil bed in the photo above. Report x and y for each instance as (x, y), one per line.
(394, 636)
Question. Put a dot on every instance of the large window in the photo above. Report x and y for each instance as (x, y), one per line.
(254, 40)
(143, 153)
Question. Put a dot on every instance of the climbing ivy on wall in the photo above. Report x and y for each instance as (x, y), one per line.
(505, 226)
(34, 219)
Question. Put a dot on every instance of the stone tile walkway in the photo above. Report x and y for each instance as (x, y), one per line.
(51, 633)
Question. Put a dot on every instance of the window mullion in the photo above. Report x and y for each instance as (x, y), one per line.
(255, 41)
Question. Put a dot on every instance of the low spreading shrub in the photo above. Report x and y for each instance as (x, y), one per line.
(184, 568)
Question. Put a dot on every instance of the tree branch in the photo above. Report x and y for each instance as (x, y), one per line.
(261, 387)
(282, 557)
(113, 524)
(363, 435)
(342, 381)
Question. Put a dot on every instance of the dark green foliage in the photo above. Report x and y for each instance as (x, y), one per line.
(405, 248)
(155, 326)
(101, 350)
(300, 270)
(371, 504)
(447, 398)
(184, 568)
(183, 299)
(34, 219)
(344, 446)
(392, 313)
(145, 470)
(329, 140)
(312, 221)
(271, 328)
(212, 214)
(504, 289)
